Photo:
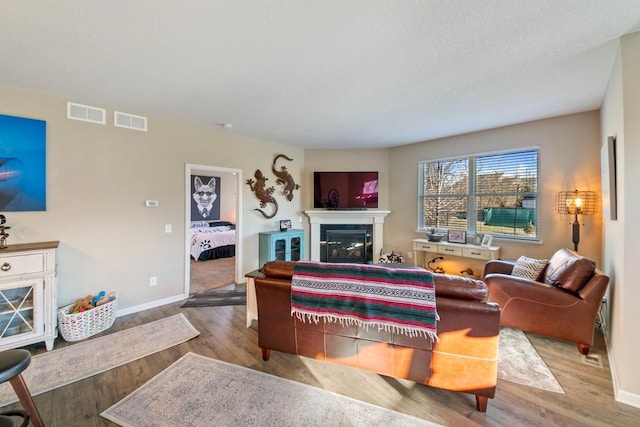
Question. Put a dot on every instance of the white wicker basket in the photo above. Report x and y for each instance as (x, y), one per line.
(78, 326)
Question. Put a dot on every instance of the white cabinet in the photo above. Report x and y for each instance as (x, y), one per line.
(421, 246)
(28, 295)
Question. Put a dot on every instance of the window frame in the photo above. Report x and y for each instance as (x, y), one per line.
(473, 194)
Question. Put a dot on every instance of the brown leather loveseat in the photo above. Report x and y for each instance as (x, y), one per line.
(562, 302)
(464, 359)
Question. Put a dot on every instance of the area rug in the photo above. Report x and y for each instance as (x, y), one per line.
(66, 365)
(520, 363)
(199, 391)
(216, 298)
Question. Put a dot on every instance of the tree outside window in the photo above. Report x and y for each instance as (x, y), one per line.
(486, 194)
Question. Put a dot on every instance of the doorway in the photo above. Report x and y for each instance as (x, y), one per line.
(229, 191)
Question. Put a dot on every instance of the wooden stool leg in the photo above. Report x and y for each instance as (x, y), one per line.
(24, 395)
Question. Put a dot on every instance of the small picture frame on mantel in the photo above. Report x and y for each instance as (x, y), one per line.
(457, 236)
(285, 224)
(487, 239)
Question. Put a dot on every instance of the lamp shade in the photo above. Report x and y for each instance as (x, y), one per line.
(577, 202)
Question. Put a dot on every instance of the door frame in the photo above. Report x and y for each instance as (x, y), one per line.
(189, 169)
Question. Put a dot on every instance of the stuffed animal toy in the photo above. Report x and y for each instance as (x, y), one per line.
(97, 298)
(82, 304)
(106, 298)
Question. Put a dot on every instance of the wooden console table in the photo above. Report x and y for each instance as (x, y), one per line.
(422, 246)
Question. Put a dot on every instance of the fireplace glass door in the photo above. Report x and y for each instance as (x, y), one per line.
(347, 246)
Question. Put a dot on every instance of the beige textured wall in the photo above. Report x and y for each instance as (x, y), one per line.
(569, 158)
(620, 112)
(98, 177)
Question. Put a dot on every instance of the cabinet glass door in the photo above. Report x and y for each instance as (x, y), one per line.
(280, 250)
(16, 311)
(295, 249)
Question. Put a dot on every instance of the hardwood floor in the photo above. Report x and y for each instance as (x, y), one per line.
(211, 274)
(588, 400)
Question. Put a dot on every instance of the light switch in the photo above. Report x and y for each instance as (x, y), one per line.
(167, 228)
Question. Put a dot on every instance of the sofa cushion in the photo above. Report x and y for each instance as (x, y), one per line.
(568, 270)
(529, 268)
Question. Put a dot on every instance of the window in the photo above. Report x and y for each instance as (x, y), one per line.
(493, 193)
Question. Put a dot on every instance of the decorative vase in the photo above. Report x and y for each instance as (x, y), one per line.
(435, 237)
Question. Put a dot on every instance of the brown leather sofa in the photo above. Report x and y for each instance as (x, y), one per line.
(464, 359)
(562, 303)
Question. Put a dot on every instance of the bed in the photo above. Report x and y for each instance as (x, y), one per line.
(212, 240)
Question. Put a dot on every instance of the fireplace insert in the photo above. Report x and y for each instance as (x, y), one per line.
(351, 243)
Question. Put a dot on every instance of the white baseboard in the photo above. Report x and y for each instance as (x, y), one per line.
(621, 396)
(152, 304)
(627, 398)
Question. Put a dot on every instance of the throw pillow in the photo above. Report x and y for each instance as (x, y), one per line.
(529, 268)
(568, 270)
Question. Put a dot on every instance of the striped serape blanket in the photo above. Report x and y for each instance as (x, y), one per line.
(391, 299)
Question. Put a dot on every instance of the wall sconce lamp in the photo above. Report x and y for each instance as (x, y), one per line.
(577, 203)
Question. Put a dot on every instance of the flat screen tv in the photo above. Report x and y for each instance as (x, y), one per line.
(345, 190)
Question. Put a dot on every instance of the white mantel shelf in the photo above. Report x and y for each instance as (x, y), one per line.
(322, 216)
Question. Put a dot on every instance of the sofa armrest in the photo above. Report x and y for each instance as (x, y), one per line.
(595, 288)
(275, 323)
(498, 266)
(503, 287)
(459, 287)
(279, 269)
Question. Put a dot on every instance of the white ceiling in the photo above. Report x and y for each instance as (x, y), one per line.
(321, 73)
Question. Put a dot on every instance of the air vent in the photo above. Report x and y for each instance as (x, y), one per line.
(129, 121)
(86, 113)
(592, 360)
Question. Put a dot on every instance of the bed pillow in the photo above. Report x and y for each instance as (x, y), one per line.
(199, 224)
(231, 225)
(529, 268)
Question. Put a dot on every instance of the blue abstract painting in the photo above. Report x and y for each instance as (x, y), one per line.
(22, 164)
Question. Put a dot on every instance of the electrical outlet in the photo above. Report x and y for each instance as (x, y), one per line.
(153, 281)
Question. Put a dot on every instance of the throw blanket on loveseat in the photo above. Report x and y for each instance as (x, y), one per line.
(391, 299)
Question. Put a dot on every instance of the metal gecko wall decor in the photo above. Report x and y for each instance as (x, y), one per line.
(284, 177)
(263, 193)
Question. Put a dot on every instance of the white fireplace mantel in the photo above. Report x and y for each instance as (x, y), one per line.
(321, 216)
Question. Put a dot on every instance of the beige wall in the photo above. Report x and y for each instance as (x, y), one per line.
(569, 158)
(98, 177)
(619, 116)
